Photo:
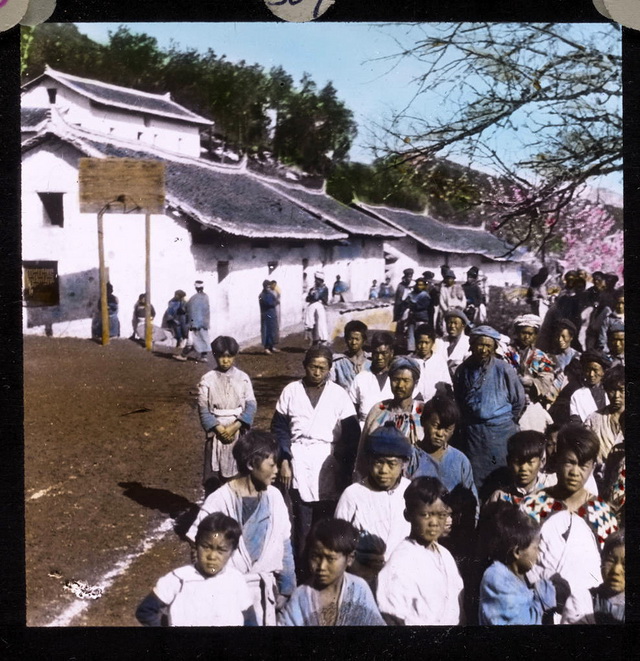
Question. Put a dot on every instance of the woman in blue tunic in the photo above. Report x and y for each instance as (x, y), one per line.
(491, 399)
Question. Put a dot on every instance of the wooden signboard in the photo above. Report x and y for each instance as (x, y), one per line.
(121, 185)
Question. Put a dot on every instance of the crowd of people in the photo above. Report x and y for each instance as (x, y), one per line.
(440, 472)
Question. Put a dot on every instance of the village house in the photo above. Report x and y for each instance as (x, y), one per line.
(224, 224)
(429, 244)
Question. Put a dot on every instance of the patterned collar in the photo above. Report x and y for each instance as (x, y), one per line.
(595, 512)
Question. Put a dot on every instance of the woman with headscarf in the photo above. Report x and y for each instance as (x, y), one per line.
(402, 409)
(491, 399)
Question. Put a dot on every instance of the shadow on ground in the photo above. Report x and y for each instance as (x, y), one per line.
(177, 507)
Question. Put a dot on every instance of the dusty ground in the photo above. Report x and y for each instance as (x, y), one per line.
(113, 447)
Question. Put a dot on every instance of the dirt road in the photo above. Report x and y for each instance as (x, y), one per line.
(113, 461)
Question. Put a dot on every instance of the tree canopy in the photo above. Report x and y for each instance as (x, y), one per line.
(539, 104)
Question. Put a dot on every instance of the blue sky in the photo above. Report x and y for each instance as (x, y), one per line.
(350, 55)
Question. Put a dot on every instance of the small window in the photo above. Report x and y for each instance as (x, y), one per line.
(147, 121)
(272, 267)
(223, 270)
(52, 92)
(139, 134)
(53, 208)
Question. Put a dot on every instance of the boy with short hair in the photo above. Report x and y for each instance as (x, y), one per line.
(208, 593)
(420, 584)
(574, 522)
(346, 365)
(525, 457)
(331, 597)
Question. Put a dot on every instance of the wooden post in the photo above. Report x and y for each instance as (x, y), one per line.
(148, 335)
(104, 311)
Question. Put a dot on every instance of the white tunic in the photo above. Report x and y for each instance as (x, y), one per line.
(583, 404)
(314, 431)
(365, 393)
(197, 601)
(421, 586)
(568, 547)
(380, 513)
(433, 370)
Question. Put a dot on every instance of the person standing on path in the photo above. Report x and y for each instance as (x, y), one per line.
(175, 317)
(268, 301)
(315, 315)
(317, 430)
(400, 312)
(198, 318)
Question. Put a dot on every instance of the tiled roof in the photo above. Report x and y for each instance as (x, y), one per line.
(31, 118)
(334, 212)
(123, 97)
(441, 236)
(230, 201)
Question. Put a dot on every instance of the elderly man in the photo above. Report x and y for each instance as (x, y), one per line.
(491, 399)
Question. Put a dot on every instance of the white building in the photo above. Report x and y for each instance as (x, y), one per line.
(119, 112)
(225, 225)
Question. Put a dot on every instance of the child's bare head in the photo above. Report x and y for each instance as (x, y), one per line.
(330, 549)
(613, 555)
(525, 452)
(217, 538)
(512, 537)
(426, 509)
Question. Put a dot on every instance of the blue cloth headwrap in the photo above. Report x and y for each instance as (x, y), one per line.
(486, 331)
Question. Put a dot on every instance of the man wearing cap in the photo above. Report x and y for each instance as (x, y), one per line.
(315, 315)
(451, 296)
(434, 292)
(455, 343)
(534, 367)
(491, 399)
(400, 312)
(198, 319)
(375, 504)
(419, 305)
(474, 296)
(615, 342)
